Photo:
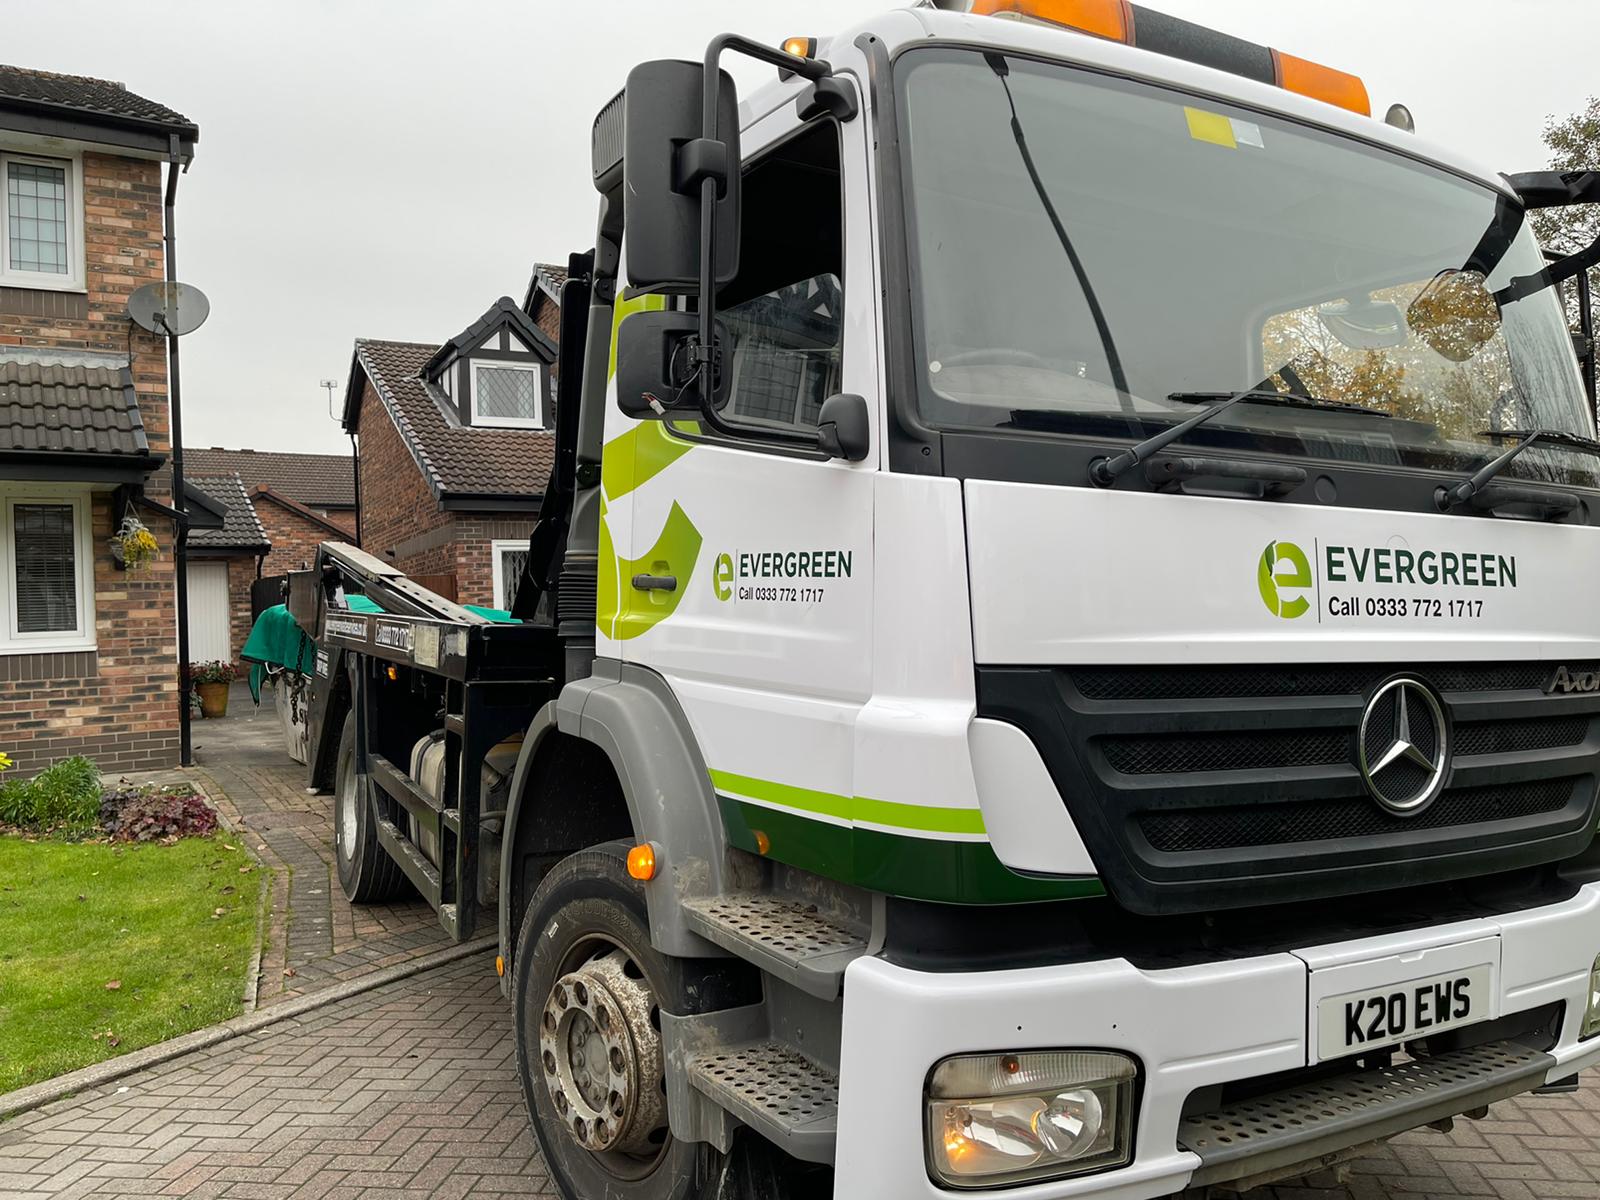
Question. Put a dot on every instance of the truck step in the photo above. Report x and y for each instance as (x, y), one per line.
(778, 1092)
(786, 938)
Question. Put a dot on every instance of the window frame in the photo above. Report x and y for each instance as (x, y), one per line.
(82, 636)
(75, 279)
(537, 369)
(754, 434)
(498, 546)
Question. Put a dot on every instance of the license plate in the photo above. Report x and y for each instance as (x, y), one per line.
(1386, 1016)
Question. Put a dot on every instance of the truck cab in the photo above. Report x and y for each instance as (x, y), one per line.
(1058, 658)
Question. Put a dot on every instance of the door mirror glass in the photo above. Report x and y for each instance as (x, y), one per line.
(665, 159)
(1455, 314)
(655, 365)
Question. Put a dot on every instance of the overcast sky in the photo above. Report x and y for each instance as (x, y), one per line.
(387, 169)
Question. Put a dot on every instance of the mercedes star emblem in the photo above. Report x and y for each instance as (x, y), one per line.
(1404, 746)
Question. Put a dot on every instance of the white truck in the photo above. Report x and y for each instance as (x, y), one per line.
(1058, 655)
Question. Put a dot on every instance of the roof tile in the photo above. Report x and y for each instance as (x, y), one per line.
(241, 528)
(315, 480)
(81, 93)
(72, 410)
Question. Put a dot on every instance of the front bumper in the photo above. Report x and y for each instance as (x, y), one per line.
(1189, 1027)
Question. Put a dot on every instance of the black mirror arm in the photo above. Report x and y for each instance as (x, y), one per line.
(1556, 189)
(1559, 271)
(714, 176)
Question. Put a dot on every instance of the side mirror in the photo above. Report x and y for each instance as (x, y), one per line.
(655, 362)
(843, 428)
(667, 156)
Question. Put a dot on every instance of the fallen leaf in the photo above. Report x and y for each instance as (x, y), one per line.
(81, 896)
(229, 890)
(114, 985)
(225, 846)
(288, 972)
(245, 870)
(113, 1041)
(218, 912)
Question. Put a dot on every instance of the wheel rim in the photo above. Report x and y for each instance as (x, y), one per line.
(347, 811)
(600, 1058)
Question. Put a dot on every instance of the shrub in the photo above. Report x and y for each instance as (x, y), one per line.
(214, 671)
(65, 795)
(152, 813)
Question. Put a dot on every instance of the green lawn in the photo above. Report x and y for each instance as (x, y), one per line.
(76, 916)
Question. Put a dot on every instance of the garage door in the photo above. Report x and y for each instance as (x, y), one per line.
(208, 612)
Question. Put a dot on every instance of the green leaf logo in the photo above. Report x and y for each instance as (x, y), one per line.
(722, 577)
(1284, 566)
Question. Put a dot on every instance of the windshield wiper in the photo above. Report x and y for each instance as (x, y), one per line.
(1104, 471)
(1119, 378)
(1473, 486)
(1285, 399)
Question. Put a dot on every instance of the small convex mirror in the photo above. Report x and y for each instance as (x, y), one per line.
(1456, 314)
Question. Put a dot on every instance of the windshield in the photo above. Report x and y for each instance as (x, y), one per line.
(1224, 249)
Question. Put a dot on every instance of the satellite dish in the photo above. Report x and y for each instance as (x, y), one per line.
(170, 309)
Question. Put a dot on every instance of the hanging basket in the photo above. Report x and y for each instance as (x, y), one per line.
(133, 546)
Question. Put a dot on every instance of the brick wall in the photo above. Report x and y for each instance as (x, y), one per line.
(475, 538)
(122, 251)
(295, 539)
(241, 574)
(118, 705)
(398, 511)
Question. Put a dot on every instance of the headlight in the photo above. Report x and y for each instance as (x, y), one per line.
(1591, 1016)
(1011, 1118)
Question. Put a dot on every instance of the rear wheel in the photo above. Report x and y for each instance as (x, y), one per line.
(588, 990)
(366, 872)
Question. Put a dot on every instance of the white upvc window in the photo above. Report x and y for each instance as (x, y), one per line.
(41, 227)
(507, 394)
(46, 571)
(509, 557)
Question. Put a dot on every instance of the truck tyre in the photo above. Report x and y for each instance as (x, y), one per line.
(366, 872)
(587, 992)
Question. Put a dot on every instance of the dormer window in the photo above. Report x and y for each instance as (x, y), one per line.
(494, 373)
(507, 394)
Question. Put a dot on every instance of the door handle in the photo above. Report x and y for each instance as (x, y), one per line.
(656, 583)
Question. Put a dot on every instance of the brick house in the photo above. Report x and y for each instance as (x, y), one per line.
(455, 445)
(87, 650)
(223, 563)
(300, 499)
(297, 500)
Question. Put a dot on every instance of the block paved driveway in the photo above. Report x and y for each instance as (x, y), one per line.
(315, 937)
(410, 1091)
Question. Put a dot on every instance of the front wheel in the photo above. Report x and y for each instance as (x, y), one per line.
(588, 989)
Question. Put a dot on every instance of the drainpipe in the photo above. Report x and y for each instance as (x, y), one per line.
(180, 553)
(355, 475)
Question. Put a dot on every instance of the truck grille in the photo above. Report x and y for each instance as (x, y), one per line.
(1212, 787)
(1325, 820)
(1169, 755)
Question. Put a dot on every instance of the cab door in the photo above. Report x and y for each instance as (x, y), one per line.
(765, 633)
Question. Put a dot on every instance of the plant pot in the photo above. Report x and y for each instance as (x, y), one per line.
(213, 699)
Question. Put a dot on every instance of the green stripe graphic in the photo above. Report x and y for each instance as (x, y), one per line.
(918, 818)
